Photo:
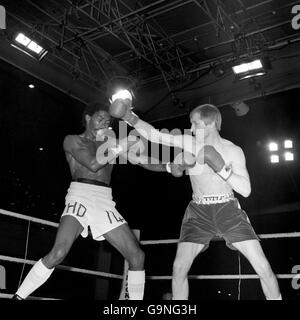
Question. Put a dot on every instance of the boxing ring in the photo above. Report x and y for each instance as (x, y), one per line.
(122, 277)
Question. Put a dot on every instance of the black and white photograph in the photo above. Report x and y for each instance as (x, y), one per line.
(150, 151)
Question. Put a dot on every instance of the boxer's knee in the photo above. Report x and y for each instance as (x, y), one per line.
(264, 269)
(56, 255)
(137, 259)
(181, 267)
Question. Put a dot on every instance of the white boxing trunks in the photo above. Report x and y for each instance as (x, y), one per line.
(93, 207)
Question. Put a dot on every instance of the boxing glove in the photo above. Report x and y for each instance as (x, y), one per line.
(120, 107)
(215, 160)
(182, 161)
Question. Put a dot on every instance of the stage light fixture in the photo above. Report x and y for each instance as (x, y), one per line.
(274, 158)
(120, 87)
(29, 46)
(288, 144)
(289, 156)
(273, 146)
(249, 69)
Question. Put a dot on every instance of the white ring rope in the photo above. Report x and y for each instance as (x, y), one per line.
(226, 276)
(9, 296)
(85, 271)
(147, 242)
(28, 218)
(262, 236)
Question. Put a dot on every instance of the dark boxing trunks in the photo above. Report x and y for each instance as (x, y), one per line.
(227, 220)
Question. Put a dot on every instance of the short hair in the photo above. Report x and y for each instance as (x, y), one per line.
(91, 108)
(209, 113)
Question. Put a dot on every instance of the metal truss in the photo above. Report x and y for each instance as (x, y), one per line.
(136, 33)
(77, 47)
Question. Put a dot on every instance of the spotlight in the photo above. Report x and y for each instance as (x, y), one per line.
(288, 144)
(241, 108)
(284, 150)
(121, 94)
(31, 86)
(274, 158)
(120, 88)
(273, 146)
(246, 67)
(28, 46)
(289, 156)
(250, 69)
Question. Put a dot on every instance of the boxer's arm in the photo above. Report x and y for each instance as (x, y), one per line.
(239, 179)
(82, 154)
(150, 133)
(146, 162)
(121, 108)
(154, 167)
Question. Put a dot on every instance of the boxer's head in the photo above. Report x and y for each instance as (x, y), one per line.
(96, 117)
(205, 117)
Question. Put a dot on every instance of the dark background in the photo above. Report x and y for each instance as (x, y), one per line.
(34, 182)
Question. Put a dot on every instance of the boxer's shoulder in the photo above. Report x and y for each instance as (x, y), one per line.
(230, 146)
(74, 141)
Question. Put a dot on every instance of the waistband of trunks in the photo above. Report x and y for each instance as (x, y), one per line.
(215, 198)
(91, 181)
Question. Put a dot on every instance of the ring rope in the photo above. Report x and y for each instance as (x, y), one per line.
(9, 296)
(28, 218)
(226, 277)
(85, 271)
(262, 236)
(147, 242)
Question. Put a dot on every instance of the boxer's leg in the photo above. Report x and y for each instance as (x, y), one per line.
(126, 243)
(68, 231)
(252, 250)
(185, 255)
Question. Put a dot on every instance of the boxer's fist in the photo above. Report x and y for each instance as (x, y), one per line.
(118, 109)
(215, 160)
(185, 159)
(177, 170)
(182, 161)
(121, 105)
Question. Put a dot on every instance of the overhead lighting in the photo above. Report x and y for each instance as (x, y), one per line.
(249, 69)
(274, 158)
(273, 146)
(22, 39)
(120, 87)
(31, 86)
(288, 144)
(289, 156)
(246, 67)
(28, 46)
(121, 94)
(282, 150)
